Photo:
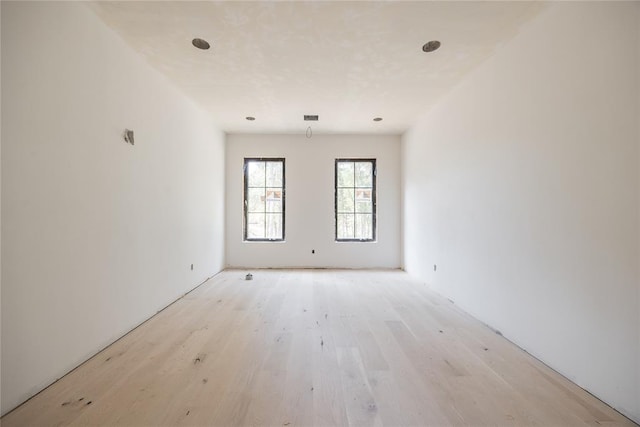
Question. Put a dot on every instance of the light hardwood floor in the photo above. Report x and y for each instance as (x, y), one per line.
(313, 347)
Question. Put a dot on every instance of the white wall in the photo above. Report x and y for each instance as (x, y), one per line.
(522, 186)
(97, 235)
(0, 211)
(638, 122)
(309, 220)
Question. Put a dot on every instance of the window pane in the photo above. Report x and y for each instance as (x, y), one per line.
(345, 174)
(255, 173)
(255, 226)
(364, 206)
(274, 226)
(274, 174)
(274, 200)
(364, 226)
(345, 200)
(345, 226)
(255, 200)
(364, 174)
(363, 200)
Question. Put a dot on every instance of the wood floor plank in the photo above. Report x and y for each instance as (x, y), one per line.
(313, 347)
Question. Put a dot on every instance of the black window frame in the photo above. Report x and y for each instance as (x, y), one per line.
(374, 198)
(247, 160)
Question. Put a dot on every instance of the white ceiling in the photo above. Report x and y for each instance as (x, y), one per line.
(348, 62)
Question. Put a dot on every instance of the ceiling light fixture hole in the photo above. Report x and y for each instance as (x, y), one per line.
(377, 119)
(431, 46)
(201, 43)
(250, 118)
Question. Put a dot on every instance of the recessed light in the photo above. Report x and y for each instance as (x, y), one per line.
(377, 119)
(431, 46)
(250, 118)
(200, 43)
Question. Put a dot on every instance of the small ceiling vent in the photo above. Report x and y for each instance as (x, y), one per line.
(310, 118)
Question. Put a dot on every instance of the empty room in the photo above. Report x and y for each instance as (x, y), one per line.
(296, 213)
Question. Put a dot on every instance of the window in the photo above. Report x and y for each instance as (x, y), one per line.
(355, 202)
(263, 199)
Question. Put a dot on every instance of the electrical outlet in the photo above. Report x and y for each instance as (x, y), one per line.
(313, 251)
(191, 267)
(434, 267)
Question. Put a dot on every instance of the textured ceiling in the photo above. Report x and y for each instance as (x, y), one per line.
(348, 62)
